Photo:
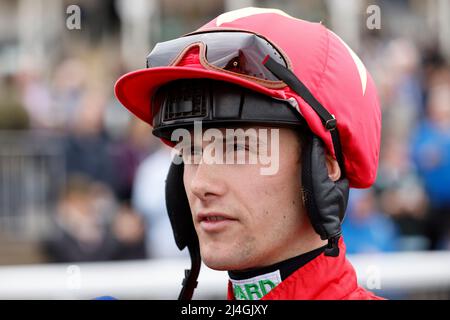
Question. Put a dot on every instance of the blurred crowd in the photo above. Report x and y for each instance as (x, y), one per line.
(93, 217)
(408, 208)
(112, 205)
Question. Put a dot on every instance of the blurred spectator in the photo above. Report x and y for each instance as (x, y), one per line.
(88, 146)
(68, 87)
(128, 153)
(86, 227)
(401, 194)
(129, 230)
(13, 115)
(36, 96)
(365, 229)
(431, 153)
(149, 199)
(400, 88)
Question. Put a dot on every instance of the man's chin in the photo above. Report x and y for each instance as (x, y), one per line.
(216, 263)
(219, 263)
(223, 255)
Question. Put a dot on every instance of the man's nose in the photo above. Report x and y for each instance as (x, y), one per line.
(207, 182)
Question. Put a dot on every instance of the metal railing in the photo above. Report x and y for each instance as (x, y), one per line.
(32, 171)
(392, 275)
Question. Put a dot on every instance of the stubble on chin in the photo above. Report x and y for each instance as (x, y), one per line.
(239, 255)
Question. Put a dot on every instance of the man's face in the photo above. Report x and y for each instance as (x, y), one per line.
(245, 219)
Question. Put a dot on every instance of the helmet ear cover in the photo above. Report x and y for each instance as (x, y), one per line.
(178, 207)
(325, 200)
(183, 228)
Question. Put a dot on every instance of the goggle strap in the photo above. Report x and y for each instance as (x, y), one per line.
(328, 120)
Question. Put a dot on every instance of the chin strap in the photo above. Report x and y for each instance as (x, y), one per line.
(332, 249)
(190, 275)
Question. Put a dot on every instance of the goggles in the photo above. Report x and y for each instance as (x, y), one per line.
(240, 53)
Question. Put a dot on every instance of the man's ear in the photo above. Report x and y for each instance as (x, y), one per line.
(334, 172)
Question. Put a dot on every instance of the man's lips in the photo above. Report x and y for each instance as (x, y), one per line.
(213, 216)
(214, 221)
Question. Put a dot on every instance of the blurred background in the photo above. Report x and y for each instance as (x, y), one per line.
(82, 181)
